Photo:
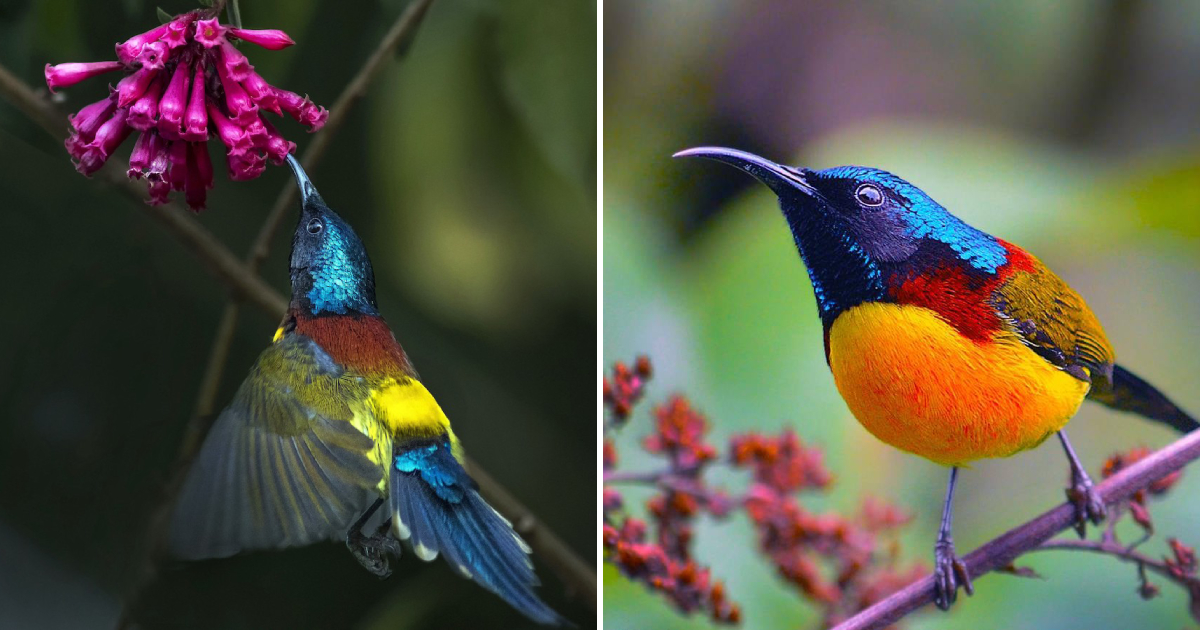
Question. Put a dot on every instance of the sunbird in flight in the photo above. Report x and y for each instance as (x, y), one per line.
(944, 341)
(331, 426)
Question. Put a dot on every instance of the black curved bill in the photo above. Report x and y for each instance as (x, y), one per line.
(776, 176)
(308, 191)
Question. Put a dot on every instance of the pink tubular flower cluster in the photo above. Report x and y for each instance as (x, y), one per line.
(183, 79)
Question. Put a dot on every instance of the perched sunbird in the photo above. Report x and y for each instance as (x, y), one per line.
(944, 341)
(333, 424)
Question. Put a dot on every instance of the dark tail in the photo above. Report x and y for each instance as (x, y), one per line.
(1132, 394)
(437, 508)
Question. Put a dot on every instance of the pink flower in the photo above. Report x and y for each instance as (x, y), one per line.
(154, 55)
(209, 33)
(199, 175)
(246, 166)
(177, 31)
(173, 103)
(68, 74)
(261, 93)
(234, 137)
(111, 134)
(131, 48)
(302, 109)
(270, 39)
(156, 174)
(237, 102)
(237, 67)
(181, 79)
(134, 85)
(195, 120)
(177, 174)
(276, 145)
(139, 160)
(89, 119)
(144, 111)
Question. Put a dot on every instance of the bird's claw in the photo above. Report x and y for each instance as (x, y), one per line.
(1088, 505)
(372, 552)
(949, 573)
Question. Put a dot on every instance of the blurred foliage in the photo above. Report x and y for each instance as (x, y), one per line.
(980, 105)
(467, 171)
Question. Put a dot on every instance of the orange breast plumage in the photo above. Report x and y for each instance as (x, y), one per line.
(918, 384)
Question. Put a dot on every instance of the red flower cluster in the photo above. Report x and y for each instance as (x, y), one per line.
(685, 583)
(832, 559)
(679, 435)
(182, 79)
(836, 562)
(782, 463)
(626, 387)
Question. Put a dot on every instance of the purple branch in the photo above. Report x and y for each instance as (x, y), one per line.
(1123, 553)
(1001, 551)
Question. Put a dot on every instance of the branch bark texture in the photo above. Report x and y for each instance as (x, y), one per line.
(1001, 551)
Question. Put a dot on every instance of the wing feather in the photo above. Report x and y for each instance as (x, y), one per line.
(1054, 321)
(283, 465)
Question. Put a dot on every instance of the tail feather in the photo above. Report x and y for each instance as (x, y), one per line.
(437, 505)
(1130, 393)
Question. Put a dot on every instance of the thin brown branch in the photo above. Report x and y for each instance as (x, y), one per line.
(199, 241)
(1120, 552)
(1001, 551)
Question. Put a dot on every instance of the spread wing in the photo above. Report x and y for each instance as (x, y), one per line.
(1055, 322)
(283, 464)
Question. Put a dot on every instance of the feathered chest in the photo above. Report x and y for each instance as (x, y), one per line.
(961, 294)
(361, 343)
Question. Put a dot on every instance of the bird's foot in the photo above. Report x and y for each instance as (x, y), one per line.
(372, 551)
(1088, 504)
(949, 573)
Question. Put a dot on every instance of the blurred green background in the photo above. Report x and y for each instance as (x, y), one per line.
(469, 172)
(1071, 128)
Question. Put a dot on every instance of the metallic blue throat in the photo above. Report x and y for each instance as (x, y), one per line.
(342, 279)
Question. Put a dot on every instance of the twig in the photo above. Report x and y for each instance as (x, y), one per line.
(1001, 551)
(237, 276)
(1121, 552)
(215, 256)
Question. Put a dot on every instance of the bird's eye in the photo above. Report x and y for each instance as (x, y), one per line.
(869, 195)
(315, 226)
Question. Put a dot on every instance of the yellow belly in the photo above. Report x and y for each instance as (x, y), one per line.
(914, 382)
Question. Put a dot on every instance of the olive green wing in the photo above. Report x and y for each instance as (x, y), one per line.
(283, 465)
(1054, 321)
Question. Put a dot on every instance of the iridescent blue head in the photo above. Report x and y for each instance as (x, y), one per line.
(859, 228)
(331, 273)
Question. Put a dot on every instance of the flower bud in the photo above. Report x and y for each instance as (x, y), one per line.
(68, 74)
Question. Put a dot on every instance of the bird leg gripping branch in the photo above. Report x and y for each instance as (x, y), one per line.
(1082, 493)
(372, 551)
(949, 570)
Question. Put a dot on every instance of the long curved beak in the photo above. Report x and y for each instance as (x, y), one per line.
(308, 192)
(777, 177)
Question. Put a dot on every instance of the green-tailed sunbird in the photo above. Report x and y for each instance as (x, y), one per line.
(332, 425)
(945, 341)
